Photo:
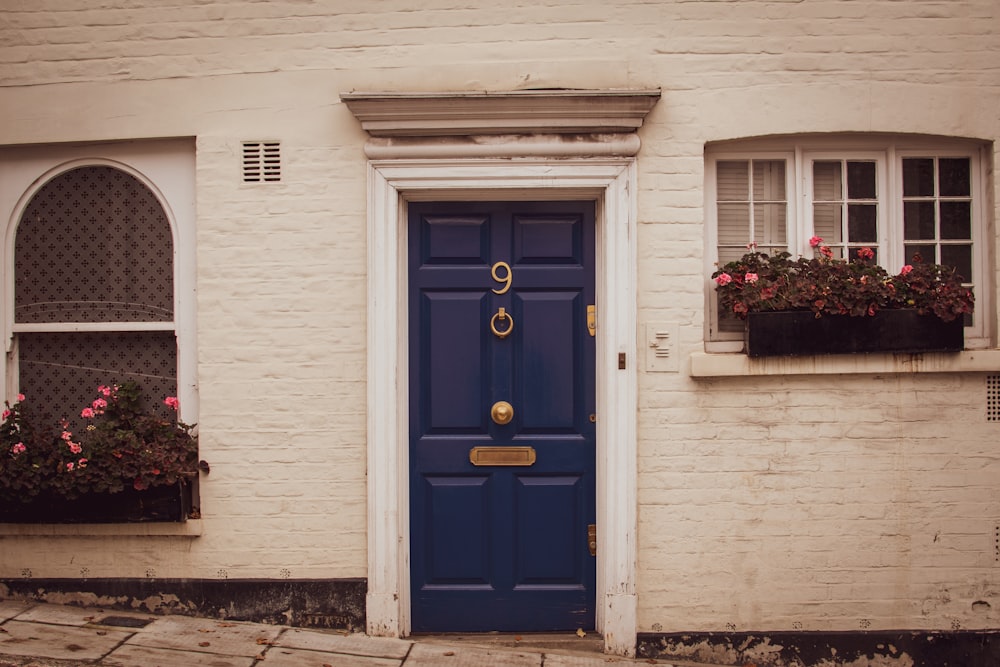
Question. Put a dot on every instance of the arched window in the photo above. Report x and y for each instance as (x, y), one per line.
(93, 291)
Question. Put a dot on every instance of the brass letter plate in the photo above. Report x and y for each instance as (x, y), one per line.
(502, 456)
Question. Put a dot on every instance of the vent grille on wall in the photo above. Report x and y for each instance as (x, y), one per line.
(261, 161)
(993, 398)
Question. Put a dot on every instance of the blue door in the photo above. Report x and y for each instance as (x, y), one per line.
(502, 401)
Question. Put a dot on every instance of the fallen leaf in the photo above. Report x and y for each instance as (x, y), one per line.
(326, 664)
(264, 641)
(517, 638)
(449, 653)
(225, 624)
(581, 633)
(205, 630)
(204, 643)
(101, 633)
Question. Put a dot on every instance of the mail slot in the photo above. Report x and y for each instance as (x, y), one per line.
(502, 456)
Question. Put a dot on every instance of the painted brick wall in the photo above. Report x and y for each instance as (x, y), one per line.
(830, 502)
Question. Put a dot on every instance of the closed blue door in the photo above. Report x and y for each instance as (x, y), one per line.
(499, 512)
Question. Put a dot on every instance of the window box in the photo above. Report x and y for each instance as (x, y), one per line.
(799, 333)
(170, 502)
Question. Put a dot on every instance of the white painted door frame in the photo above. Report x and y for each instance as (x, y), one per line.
(610, 182)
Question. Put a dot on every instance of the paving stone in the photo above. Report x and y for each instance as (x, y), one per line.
(144, 656)
(566, 660)
(9, 609)
(355, 644)
(60, 642)
(278, 656)
(206, 636)
(61, 614)
(432, 655)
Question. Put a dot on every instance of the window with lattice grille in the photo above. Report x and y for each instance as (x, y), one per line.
(93, 291)
(261, 161)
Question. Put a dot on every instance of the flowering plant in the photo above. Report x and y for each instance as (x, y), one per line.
(827, 286)
(122, 444)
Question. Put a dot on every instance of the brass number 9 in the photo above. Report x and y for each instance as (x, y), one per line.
(507, 278)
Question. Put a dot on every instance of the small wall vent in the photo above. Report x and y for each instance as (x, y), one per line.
(993, 398)
(261, 161)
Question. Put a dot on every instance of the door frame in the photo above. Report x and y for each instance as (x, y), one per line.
(611, 183)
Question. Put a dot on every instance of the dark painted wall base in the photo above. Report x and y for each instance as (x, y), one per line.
(310, 603)
(827, 649)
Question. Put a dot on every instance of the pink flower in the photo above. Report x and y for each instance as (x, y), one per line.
(865, 253)
(75, 447)
(723, 279)
(752, 245)
(99, 404)
(815, 241)
(20, 397)
(18, 449)
(69, 466)
(906, 269)
(6, 413)
(104, 390)
(751, 277)
(87, 413)
(66, 435)
(826, 252)
(82, 463)
(172, 402)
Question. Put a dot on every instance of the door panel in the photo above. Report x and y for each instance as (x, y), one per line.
(501, 547)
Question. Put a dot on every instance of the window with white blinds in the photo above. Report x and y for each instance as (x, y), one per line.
(906, 200)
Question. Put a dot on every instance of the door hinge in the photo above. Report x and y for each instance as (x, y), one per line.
(592, 538)
(592, 320)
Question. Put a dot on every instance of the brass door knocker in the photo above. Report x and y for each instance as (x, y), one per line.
(501, 316)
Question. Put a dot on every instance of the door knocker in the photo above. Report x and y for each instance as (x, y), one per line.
(501, 316)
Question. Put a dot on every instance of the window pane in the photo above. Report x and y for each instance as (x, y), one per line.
(918, 220)
(734, 224)
(959, 256)
(60, 372)
(918, 177)
(827, 181)
(954, 177)
(956, 220)
(93, 245)
(769, 224)
(732, 182)
(769, 180)
(827, 222)
(861, 180)
(920, 253)
(862, 223)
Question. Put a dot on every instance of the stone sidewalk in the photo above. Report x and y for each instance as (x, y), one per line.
(44, 635)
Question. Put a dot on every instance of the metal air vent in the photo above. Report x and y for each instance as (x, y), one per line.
(261, 161)
(993, 398)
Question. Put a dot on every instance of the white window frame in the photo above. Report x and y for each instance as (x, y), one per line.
(888, 152)
(167, 168)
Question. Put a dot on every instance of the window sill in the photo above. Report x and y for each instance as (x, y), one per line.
(190, 528)
(707, 364)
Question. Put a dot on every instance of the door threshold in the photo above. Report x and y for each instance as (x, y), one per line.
(592, 642)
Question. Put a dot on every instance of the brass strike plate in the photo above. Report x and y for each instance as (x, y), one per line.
(502, 456)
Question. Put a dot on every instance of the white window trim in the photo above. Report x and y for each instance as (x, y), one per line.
(889, 152)
(166, 167)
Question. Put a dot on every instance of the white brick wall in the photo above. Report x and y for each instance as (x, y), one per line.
(822, 502)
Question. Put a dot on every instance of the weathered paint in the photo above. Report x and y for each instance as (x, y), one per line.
(336, 604)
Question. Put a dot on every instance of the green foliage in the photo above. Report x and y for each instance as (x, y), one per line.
(123, 444)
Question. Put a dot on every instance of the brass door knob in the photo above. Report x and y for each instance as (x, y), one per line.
(502, 412)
